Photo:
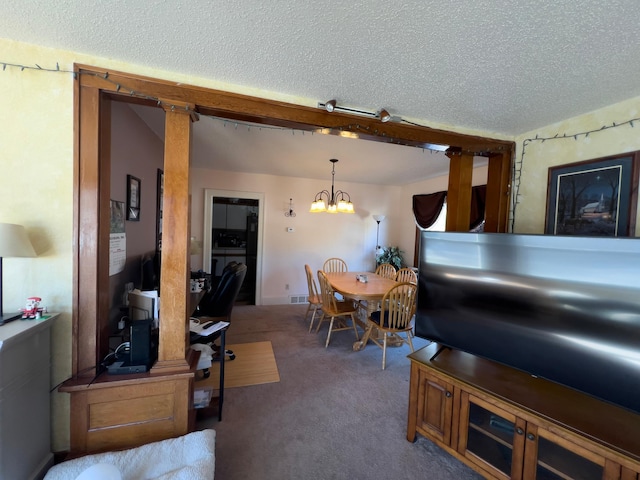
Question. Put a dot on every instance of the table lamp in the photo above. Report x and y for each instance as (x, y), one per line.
(14, 242)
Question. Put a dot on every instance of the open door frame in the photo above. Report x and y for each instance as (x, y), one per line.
(209, 195)
(173, 373)
(91, 198)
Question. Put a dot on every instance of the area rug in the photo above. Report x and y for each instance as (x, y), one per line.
(254, 364)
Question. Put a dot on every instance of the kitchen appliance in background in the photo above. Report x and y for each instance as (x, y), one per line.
(252, 256)
(252, 234)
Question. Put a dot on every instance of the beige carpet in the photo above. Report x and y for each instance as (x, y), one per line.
(254, 364)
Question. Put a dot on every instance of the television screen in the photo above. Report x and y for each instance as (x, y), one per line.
(563, 308)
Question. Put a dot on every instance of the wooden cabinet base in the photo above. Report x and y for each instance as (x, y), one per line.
(507, 424)
(123, 411)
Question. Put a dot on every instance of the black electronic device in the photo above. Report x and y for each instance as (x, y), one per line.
(142, 351)
(120, 367)
(563, 308)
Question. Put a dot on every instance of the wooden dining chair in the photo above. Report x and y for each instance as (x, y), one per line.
(315, 300)
(333, 308)
(407, 274)
(386, 270)
(394, 317)
(335, 264)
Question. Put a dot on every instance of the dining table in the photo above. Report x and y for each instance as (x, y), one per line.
(367, 293)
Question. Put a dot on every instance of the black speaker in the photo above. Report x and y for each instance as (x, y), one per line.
(141, 345)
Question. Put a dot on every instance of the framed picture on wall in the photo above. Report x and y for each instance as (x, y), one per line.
(133, 198)
(594, 198)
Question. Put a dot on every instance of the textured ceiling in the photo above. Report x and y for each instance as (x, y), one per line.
(497, 67)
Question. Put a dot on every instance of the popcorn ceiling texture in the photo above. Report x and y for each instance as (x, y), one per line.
(494, 66)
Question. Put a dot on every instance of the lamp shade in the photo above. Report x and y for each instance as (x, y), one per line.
(14, 241)
(378, 218)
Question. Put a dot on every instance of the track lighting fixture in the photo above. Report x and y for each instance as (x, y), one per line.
(382, 114)
(330, 106)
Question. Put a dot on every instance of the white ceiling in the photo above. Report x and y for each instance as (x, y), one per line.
(245, 147)
(498, 67)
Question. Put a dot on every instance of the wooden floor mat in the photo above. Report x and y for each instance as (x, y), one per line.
(254, 364)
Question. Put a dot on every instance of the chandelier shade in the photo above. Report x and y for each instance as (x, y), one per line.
(336, 201)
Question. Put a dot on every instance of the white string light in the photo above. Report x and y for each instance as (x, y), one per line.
(518, 164)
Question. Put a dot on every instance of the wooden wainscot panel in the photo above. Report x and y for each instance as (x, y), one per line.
(129, 413)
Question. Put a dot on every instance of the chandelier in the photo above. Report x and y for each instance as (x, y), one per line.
(337, 201)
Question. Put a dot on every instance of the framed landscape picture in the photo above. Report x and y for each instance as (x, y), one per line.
(594, 198)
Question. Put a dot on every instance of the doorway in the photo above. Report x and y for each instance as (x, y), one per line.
(233, 227)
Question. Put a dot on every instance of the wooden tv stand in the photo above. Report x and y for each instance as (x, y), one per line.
(505, 423)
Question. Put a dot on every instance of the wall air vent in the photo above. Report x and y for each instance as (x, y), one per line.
(296, 299)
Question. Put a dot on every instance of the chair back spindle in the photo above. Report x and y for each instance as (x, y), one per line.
(386, 270)
(335, 264)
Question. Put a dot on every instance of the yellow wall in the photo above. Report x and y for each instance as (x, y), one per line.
(539, 156)
(36, 188)
(36, 180)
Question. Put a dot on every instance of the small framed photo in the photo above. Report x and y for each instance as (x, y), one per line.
(594, 198)
(133, 198)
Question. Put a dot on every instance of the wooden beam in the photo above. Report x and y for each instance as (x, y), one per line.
(259, 110)
(459, 191)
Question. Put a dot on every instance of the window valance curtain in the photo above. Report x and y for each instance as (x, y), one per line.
(427, 207)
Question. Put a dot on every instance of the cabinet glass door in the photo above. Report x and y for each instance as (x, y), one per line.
(490, 437)
(555, 462)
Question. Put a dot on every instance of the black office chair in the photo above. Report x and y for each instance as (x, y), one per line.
(218, 306)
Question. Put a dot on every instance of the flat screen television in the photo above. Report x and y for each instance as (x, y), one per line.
(558, 307)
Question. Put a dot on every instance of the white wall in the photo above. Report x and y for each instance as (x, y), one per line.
(316, 237)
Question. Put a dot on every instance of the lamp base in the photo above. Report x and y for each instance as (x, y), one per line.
(7, 317)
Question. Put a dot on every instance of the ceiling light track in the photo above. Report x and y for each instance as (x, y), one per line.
(331, 106)
(383, 114)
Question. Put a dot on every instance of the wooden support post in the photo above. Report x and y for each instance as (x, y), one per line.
(459, 192)
(174, 274)
(498, 190)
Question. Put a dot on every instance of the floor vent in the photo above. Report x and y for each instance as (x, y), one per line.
(298, 299)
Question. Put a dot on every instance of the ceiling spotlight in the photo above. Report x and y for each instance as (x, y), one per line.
(384, 116)
(330, 105)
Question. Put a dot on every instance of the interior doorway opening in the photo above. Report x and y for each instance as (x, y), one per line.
(233, 226)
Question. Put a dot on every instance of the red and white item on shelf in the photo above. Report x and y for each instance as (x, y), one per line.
(32, 308)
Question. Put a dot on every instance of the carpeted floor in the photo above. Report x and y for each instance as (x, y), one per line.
(335, 414)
